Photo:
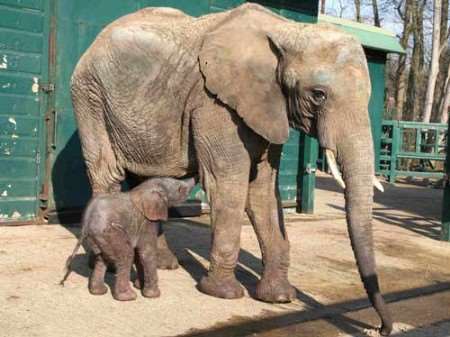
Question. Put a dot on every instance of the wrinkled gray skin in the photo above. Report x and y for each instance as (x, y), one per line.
(123, 227)
(162, 93)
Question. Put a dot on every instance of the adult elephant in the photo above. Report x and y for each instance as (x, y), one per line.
(160, 93)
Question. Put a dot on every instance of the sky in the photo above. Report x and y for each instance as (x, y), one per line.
(390, 20)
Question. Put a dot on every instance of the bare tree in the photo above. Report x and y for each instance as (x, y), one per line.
(444, 63)
(407, 74)
(434, 64)
(376, 14)
(414, 94)
(405, 12)
(358, 10)
(445, 100)
(342, 8)
(323, 4)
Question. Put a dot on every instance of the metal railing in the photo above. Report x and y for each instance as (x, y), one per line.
(412, 149)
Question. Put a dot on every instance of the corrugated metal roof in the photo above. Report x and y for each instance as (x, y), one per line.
(370, 36)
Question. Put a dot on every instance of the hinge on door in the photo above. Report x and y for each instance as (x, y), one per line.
(310, 169)
(48, 87)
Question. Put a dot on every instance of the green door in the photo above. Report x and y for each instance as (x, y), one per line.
(23, 71)
(78, 23)
(376, 62)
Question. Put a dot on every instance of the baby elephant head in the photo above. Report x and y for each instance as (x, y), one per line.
(154, 196)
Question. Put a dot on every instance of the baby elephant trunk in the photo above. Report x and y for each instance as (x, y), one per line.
(190, 182)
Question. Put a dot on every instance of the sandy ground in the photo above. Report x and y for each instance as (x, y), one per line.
(414, 269)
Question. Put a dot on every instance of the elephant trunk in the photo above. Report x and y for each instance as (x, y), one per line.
(355, 156)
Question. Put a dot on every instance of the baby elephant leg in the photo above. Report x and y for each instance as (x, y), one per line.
(147, 250)
(97, 279)
(117, 249)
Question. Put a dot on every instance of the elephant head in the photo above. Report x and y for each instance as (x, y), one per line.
(154, 196)
(276, 73)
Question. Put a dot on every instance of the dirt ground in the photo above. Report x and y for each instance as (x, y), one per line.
(414, 269)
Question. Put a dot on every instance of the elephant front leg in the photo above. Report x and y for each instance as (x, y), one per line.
(227, 207)
(147, 267)
(265, 213)
(224, 167)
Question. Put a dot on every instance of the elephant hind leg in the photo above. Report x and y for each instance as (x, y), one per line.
(104, 172)
(97, 279)
(116, 248)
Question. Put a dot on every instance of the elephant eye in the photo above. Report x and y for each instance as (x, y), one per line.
(318, 96)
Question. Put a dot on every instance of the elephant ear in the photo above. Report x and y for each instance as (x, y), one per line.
(152, 203)
(240, 68)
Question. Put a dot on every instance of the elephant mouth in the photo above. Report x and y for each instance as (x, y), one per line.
(336, 172)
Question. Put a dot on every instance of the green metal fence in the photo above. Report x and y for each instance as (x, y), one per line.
(412, 149)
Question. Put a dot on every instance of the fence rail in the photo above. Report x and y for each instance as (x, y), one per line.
(405, 144)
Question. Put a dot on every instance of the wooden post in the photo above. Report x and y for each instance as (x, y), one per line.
(308, 154)
(394, 150)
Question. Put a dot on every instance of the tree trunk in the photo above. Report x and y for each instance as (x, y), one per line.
(400, 87)
(434, 65)
(400, 83)
(414, 94)
(444, 21)
(444, 63)
(322, 6)
(446, 99)
(358, 10)
(376, 14)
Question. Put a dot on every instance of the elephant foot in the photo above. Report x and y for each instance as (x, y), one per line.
(127, 295)
(98, 289)
(167, 260)
(385, 330)
(228, 288)
(151, 292)
(275, 290)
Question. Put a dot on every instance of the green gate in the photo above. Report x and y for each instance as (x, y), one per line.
(24, 30)
(412, 140)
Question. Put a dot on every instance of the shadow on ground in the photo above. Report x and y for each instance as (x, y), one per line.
(336, 315)
(415, 208)
(190, 240)
(187, 239)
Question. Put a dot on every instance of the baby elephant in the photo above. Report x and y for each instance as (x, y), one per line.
(118, 225)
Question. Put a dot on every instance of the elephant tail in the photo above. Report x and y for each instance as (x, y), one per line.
(68, 266)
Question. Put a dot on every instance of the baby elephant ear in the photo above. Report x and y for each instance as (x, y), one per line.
(153, 204)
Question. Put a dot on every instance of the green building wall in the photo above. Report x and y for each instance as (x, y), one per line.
(78, 23)
(42, 41)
